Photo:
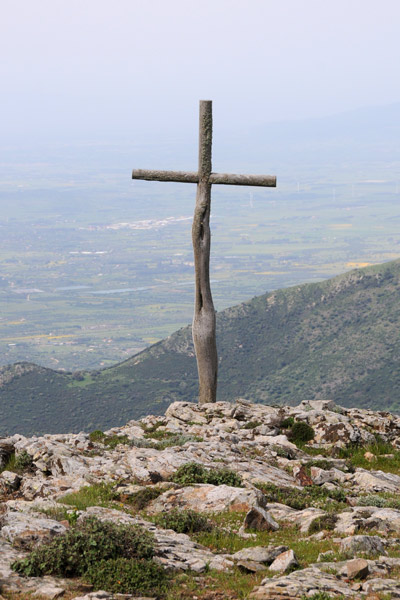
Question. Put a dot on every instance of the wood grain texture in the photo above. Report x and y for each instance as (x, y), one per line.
(203, 328)
(231, 179)
(178, 176)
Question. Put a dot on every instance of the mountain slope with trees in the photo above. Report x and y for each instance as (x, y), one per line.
(335, 339)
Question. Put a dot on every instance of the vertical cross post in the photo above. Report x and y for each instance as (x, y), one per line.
(204, 314)
(204, 338)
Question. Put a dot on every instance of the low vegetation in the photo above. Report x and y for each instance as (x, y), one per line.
(18, 463)
(309, 496)
(183, 521)
(99, 494)
(193, 472)
(112, 557)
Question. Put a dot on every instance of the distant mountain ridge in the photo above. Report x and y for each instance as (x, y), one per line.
(335, 339)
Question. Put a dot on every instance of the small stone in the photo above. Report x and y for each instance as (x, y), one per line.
(369, 456)
(51, 592)
(358, 567)
(250, 566)
(11, 480)
(257, 518)
(284, 562)
(260, 554)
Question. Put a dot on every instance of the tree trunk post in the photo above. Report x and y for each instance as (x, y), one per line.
(204, 314)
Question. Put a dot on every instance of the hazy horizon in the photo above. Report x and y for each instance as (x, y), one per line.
(99, 71)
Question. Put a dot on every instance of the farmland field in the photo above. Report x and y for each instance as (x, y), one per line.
(95, 267)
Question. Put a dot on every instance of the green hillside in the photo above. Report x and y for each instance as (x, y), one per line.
(336, 339)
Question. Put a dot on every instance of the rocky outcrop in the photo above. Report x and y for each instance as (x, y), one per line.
(252, 441)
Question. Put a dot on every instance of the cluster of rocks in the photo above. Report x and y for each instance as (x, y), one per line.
(249, 440)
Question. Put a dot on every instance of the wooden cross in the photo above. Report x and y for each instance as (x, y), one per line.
(204, 313)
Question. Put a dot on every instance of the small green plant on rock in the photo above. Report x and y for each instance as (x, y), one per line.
(99, 494)
(192, 473)
(301, 432)
(325, 522)
(97, 436)
(309, 496)
(111, 441)
(20, 463)
(183, 521)
(287, 423)
(252, 424)
(140, 499)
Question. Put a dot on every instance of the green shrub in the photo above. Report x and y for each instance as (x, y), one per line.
(287, 423)
(325, 522)
(97, 436)
(127, 576)
(72, 553)
(372, 500)
(192, 472)
(309, 496)
(139, 500)
(252, 424)
(183, 521)
(301, 432)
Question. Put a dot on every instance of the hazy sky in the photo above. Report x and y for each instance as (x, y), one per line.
(95, 68)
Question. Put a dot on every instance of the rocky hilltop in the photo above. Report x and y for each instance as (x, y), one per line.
(219, 501)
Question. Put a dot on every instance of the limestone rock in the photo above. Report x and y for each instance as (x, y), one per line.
(51, 592)
(27, 530)
(259, 519)
(376, 481)
(10, 479)
(305, 582)
(206, 498)
(284, 562)
(260, 554)
(368, 544)
(357, 568)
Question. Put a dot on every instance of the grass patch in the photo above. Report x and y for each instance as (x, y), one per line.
(99, 494)
(223, 538)
(354, 453)
(309, 496)
(21, 463)
(59, 513)
(192, 473)
(233, 585)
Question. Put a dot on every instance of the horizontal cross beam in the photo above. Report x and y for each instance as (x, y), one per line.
(193, 177)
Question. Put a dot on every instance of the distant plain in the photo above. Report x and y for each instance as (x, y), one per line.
(94, 267)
